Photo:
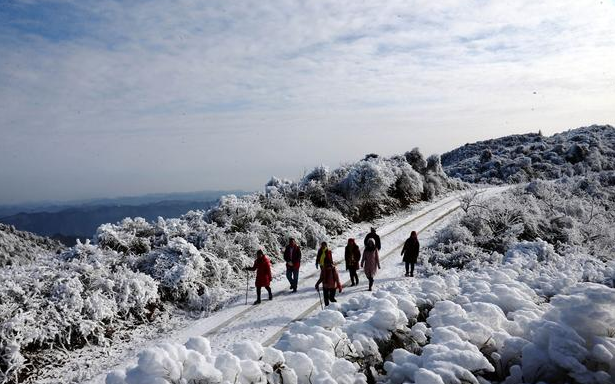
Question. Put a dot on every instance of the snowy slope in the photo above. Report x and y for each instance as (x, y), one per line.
(137, 277)
(531, 317)
(520, 158)
(266, 322)
(19, 247)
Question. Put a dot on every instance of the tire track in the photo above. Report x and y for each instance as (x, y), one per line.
(271, 340)
(312, 274)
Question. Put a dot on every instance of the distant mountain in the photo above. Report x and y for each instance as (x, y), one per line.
(19, 247)
(56, 206)
(70, 224)
(520, 158)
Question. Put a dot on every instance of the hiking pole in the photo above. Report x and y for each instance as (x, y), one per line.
(247, 283)
(319, 298)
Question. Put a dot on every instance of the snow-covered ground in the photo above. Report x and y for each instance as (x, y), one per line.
(266, 322)
(532, 317)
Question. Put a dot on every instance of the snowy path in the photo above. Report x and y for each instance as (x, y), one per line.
(266, 322)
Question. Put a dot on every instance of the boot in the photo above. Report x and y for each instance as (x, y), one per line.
(270, 294)
(258, 301)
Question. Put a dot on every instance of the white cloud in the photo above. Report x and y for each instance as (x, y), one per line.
(206, 68)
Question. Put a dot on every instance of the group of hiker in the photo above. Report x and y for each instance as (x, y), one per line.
(369, 260)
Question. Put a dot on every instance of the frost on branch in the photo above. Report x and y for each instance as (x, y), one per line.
(68, 301)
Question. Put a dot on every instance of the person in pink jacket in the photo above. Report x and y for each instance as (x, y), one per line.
(370, 262)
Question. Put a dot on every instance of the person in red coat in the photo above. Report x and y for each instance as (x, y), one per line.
(262, 266)
(330, 280)
(352, 256)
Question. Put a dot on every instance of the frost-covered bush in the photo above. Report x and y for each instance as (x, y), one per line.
(514, 321)
(194, 261)
(19, 247)
(531, 317)
(574, 215)
(186, 274)
(200, 253)
(126, 237)
(77, 297)
(416, 160)
(522, 158)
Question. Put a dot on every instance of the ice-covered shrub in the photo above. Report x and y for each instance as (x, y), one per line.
(19, 247)
(408, 187)
(528, 318)
(369, 179)
(574, 215)
(416, 160)
(77, 297)
(522, 158)
(200, 251)
(491, 323)
(185, 274)
(193, 261)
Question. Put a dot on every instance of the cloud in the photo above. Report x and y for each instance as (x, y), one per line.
(98, 70)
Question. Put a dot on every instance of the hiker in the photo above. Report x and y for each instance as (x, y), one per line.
(292, 257)
(372, 235)
(321, 254)
(352, 255)
(410, 252)
(330, 280)
(370, 262)
(262, 266)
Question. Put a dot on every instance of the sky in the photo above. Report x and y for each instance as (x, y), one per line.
(102, 98)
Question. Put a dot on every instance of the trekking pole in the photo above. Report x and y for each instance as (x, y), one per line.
(319, 298)
(247, 283)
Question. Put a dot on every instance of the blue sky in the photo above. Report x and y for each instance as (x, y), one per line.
(106, 98)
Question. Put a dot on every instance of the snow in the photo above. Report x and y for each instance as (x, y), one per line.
(515, 288)
(521, 158)
(19, 247)
(529, 315)
(136, 271)
(134, 294)
(327, 332)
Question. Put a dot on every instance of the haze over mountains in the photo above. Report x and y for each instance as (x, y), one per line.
(79, 219)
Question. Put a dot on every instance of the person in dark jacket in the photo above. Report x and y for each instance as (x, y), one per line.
(352, 255)
(410, 252)
(292, 257)
(330, 280)
(262, 266)
(372, 235)
(321, 254)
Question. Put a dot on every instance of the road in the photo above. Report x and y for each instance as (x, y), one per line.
(266, 322)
